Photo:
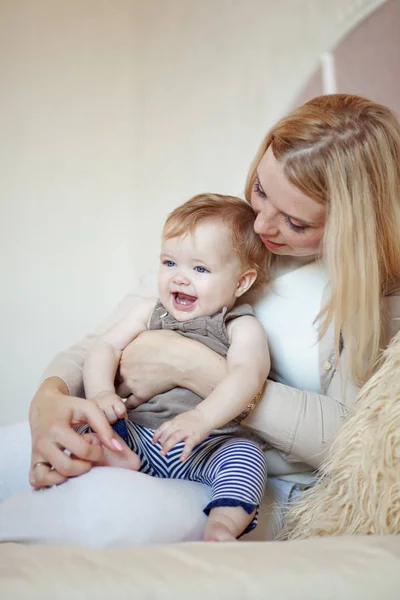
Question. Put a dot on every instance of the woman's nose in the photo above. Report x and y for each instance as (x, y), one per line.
(265, 224)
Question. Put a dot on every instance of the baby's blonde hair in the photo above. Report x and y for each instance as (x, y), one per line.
(344, 152)
(236, 215)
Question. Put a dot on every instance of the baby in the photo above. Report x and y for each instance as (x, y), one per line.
(210, 257)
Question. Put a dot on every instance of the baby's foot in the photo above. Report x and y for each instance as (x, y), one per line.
(126, 459)
(218, 532)
(226, 523)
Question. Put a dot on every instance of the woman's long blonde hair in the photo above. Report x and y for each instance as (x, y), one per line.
(344, 152)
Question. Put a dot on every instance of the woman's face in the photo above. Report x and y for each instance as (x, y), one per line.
(288, 222)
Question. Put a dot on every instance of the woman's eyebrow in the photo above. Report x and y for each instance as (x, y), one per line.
(308, 223)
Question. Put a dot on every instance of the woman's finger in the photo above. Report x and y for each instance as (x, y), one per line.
(78, 445)
(65, 464)
(55, 466)
(88, 412)
(42, 475)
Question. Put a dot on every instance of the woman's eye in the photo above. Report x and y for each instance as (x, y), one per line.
(258, 189)
(296, 228)
(169, 263)
(201, 269)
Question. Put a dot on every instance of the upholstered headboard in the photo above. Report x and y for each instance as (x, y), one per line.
(365, 62)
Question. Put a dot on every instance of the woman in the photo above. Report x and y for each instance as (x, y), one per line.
(325, 184)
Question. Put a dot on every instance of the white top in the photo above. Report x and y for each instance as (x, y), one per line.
(287, 311)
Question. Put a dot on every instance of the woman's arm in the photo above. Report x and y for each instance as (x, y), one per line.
(297, 423)
(158, 361)
(58, 407)
(68, 364)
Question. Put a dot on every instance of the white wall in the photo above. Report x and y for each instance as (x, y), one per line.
(113, 112)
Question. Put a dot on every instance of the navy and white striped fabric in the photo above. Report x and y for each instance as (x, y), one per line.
(234, 468)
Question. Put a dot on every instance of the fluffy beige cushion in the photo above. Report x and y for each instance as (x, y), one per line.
(359, 488)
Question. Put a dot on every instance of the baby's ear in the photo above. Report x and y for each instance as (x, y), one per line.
(245, 282)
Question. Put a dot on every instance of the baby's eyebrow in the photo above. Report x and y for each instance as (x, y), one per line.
(199, 260)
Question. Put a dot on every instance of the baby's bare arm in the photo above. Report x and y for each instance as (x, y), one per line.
(248, 363)
(102, 362)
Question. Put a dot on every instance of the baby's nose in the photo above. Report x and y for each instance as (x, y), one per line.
(181, 278)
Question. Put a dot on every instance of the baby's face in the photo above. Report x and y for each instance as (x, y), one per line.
(199, 274)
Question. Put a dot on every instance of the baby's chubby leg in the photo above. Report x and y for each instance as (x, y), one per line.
(236, 470)
(226, 523)
(126, 459)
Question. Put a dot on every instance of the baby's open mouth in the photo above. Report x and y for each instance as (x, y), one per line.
(184, 300)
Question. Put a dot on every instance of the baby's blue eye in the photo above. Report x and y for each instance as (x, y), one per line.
(169, 263)
(201, 269)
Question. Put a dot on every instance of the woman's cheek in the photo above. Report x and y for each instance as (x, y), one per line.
(305, 240)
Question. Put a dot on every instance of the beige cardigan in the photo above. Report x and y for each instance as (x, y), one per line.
(297, 423)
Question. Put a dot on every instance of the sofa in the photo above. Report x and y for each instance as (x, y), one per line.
(345, 568)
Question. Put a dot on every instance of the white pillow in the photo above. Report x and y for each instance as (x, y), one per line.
(105, 507)
(15, 458)
(110, 507)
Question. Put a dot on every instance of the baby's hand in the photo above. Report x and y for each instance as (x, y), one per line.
(112, 406)
(190, 426)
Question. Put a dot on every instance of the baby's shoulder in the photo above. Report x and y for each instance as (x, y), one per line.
(143, 309)
(239, 310)
(245, 326)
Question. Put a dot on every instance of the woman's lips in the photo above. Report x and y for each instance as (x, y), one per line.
(270, 243)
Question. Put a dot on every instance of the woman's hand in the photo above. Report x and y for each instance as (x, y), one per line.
(52, 416)
(150, 365)
(157, 361)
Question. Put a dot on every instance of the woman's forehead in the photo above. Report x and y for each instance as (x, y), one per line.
(285, 196)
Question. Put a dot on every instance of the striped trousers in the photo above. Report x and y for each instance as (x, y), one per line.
(233, 467)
